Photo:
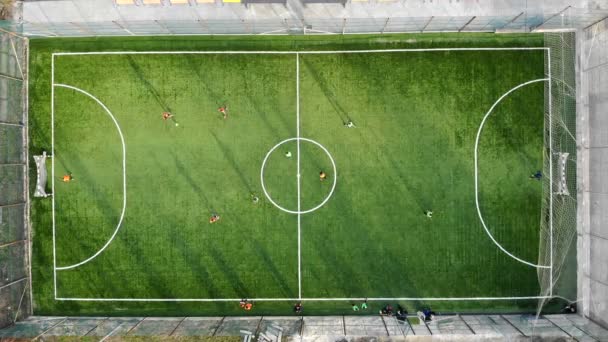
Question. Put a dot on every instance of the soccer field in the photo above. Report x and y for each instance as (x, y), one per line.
(456, 130)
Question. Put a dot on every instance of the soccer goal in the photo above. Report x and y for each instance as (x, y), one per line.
(41, 178)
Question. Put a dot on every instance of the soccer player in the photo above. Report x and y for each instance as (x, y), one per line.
(214, 218)
(167, 116)
(537, 175)
(297, 308)
(322, 176)
(242, 303)
(248, 306)
(254, 198)
(288, 154)
(68, 177)
(349, 124)
(355, 307)
(364, 305)
(224, 110)
(428, 213)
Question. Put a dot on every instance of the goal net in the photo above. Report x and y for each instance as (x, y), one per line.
(558, 219)
(40, 190)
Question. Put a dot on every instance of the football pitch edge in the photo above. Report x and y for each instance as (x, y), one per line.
(299, 210)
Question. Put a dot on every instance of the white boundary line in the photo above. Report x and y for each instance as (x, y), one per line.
(550, 173)
(298, 176)
(290, 52)
(124, 177)
(483, 121)
(275, 52)
(53, 170)
(448, 299)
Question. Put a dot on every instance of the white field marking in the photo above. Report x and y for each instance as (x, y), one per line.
(290, 52)
(550, 175)
(53, 171)
(298, 176)
(477, 171)
(333, 187)
(27, 157)
(446, 299)
(124, 178)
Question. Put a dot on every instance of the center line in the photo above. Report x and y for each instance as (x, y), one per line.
(298, 174)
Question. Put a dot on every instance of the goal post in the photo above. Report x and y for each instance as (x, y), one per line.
(41, 178)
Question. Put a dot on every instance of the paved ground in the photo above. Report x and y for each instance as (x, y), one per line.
(469, 327)
(593, 167)
(103, 17)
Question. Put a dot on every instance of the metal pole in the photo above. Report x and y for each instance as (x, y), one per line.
(551, 17)
(12, 205)
(343, 25)
(10, 124)
(513, 20)
(427, 23)
(596, 22)
(11, 33)
(12, 243)
(467, 24)
(13, 283)
(385, 24)
(124, 28)
(11, 77)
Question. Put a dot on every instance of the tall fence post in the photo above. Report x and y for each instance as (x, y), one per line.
(551, 17)
(427, 23)
(467, 24)
(512, 20)
(385, 24)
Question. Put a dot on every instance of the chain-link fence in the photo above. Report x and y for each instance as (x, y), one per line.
(558, 222)
(14, 233)
(518, 21)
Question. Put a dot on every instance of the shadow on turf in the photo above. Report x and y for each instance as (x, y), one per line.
(204, 81)
(142, 78)
(329, 94)
(183, 171)
(271, 266)
(230, 158)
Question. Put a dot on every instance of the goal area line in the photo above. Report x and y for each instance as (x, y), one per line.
(369, 299)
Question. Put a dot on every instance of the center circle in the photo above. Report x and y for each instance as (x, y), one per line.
(333, 186)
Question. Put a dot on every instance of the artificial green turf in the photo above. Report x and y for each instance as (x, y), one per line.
(416, 114)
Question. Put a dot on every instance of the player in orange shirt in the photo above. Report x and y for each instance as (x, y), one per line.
(167, 116)
(224, 110)
(214, 218)
(68, 178)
